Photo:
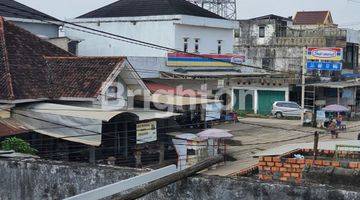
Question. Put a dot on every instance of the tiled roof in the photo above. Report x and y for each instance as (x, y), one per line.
(23, 70)
(20, 9)
(80, 77)
(31, 68)
(132, 8)
(311, 17)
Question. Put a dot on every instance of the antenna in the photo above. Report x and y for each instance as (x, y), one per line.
(224, 8)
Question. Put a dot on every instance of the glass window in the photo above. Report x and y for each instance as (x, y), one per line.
(261, 31)
(197, 45)
(186, 44)
(219, 46)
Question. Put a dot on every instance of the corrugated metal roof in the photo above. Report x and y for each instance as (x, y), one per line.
(96, 113)
(11, 126)
(340, 84)
(180, 100)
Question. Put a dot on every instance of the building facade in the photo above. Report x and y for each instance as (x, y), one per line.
(177, 24)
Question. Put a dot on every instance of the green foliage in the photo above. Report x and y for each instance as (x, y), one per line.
(18, 145)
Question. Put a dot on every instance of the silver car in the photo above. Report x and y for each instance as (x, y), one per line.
(286, 109)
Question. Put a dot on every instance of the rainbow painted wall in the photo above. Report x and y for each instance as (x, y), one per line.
(206, 60)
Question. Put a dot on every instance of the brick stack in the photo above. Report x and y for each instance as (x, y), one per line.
(287, 168)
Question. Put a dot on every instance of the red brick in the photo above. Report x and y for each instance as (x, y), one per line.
(353, 165)
(326, 163)
(261, 158)
(309, 161)
(302, 166)
(326, 151)
(287, 165)
(296, 175)
(276, 159)
(267, 168)
(262, 164)
(268, 159)
(260, 168)
(299, 170)
(318, 162)
(291, 160)
(278, 164)
(335, 163)
(275, 169)
(283, 169)
(286, 174)
(270, 164)
(295, 166)
(300, 161)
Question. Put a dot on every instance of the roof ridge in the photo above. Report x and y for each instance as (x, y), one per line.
(6, 58)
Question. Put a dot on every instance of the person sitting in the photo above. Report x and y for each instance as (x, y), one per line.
(332, 128)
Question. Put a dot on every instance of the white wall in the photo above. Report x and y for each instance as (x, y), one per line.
(154, 32)
(165, 30)
(208, 36)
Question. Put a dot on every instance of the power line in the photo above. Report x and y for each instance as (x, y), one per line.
(134, 41)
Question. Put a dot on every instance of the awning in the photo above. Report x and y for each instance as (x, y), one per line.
(180, 100)
(339, 84)
(11, 126)
(73, 123)
(96, 113)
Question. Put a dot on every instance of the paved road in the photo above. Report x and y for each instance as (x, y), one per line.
(258, 134)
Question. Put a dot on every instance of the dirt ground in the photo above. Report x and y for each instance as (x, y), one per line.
(256, 134)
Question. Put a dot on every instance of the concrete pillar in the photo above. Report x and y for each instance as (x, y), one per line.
(92, 157)
(287, 95)
(256, 100)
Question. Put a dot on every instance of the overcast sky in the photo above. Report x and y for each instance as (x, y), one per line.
(345, 12)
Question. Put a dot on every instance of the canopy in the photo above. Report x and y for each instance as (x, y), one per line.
(74, 123)
(179, 100)
(335, 108)
(214, 134)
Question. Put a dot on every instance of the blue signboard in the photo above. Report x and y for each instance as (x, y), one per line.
(324, 66)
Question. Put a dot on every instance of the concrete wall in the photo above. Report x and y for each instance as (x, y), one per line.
(167, 30)
(208, 38)
(40, 29)
(45, 180)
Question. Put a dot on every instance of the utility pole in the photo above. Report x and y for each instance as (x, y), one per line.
(303, 72)
(316, 144)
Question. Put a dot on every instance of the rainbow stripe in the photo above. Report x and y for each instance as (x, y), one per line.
(182, 59)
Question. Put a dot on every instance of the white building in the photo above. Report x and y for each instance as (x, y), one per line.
(19, 14)
(177, 24)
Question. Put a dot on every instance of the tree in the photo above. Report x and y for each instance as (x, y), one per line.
(18, 145)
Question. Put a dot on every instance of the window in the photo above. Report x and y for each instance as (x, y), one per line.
(219, 46)
(261, 31)
(186, 44)
(267, 63)
(197, 45)
(111, 93)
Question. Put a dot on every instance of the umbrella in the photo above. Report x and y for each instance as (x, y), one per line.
(335, 108)
(188, 136)
(214, 134)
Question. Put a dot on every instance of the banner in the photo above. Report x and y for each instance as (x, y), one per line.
(146, 132)
(206, 60)
(329, 54)
(324, 66)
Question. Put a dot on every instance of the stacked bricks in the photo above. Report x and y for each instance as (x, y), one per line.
(290, 169)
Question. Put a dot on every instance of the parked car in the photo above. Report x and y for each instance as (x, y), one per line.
(286, 109)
